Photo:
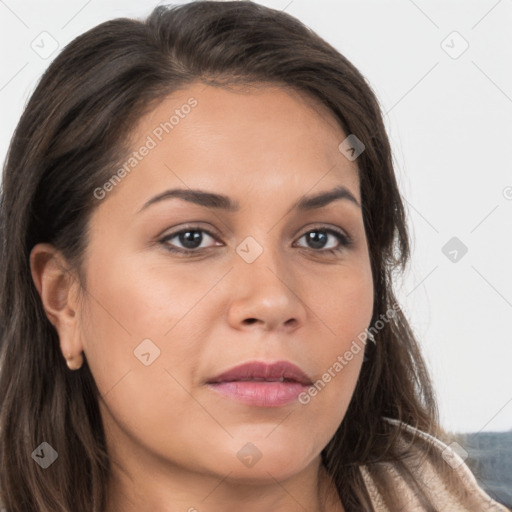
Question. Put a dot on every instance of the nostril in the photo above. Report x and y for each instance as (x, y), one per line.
(250, 320)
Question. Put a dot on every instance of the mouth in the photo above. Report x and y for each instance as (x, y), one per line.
(256, 379)
(261, 384)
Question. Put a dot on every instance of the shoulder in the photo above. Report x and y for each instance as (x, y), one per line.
(471, 497)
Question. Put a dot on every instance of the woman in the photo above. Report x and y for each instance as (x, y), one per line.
(256, 365)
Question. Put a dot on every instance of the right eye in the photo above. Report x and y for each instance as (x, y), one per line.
(190, 237)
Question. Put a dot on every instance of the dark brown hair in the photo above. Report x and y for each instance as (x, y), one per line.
(70, 138)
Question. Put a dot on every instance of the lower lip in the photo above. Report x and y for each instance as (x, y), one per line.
(260, 393)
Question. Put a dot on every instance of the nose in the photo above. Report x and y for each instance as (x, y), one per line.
(265, 294)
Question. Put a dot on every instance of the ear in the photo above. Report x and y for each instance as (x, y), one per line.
(58, 288)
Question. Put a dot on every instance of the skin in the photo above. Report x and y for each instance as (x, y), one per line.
(173, 441)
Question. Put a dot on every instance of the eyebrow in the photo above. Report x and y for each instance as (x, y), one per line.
(222, 202)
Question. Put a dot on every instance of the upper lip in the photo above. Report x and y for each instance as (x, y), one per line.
(259, 370)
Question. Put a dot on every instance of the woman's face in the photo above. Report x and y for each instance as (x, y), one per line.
(260, 283)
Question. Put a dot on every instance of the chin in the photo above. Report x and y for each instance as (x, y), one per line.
(266, 472)
(265, 460)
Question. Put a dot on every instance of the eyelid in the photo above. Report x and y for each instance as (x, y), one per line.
(191, 227)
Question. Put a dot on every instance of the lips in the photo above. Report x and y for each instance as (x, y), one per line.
(258, 371)
(260, 384)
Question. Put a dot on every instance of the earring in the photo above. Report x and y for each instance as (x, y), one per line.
(74, 362)
(371, 337)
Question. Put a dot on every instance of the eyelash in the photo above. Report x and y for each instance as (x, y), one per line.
(344, 240)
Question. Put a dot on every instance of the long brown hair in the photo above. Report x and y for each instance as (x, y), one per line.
(69, 139)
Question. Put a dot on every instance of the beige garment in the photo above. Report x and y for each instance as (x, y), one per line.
(477, 500)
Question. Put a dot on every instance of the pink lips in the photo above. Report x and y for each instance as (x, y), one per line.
(261, 384)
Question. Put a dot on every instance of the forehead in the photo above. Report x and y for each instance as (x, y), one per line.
(262, 117)
(262, 138)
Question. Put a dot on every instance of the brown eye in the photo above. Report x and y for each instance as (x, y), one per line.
(189, 238)
(318, 238)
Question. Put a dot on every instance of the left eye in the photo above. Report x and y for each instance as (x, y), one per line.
(191, 239)
(319, 236)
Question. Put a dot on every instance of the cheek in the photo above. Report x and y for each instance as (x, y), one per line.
(143, 348)
(343, 305)
(133, 319)
(345, 311)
